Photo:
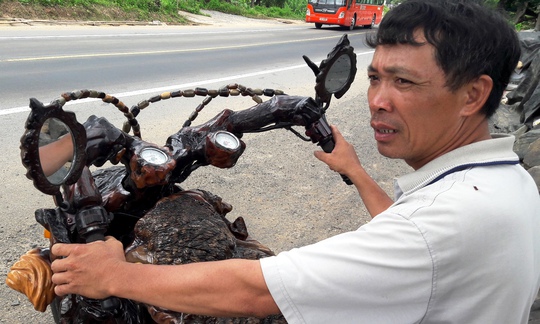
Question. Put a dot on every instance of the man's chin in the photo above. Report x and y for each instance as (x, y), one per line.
(389, 152)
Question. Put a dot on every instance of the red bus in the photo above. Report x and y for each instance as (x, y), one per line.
(346, 13)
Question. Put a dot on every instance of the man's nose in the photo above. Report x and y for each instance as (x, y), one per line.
(379, 98)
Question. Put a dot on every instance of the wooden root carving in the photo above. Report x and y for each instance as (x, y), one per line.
(31, 275)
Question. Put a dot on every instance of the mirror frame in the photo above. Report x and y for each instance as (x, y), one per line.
(30, 145)
(342, 48)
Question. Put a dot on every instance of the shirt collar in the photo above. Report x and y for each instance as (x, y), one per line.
(498, 150)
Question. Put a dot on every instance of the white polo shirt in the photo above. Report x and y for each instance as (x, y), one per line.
(461, 244)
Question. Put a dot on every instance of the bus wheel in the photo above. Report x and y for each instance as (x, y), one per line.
(372, 23)
(318, 25)
(353, 22)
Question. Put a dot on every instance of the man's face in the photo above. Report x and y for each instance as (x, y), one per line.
(414, 115)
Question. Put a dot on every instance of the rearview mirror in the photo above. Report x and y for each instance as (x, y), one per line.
(55, 150)
(52, 147)
(336, 73)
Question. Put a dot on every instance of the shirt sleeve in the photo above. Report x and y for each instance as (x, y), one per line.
(381, 273)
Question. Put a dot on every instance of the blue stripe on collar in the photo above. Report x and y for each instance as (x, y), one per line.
(470, 165)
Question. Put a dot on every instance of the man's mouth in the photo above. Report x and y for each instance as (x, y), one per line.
(383, 135)
(384, 130)
(387, 131)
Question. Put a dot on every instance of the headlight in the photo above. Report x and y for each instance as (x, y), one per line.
(307, 12)
(341, 14)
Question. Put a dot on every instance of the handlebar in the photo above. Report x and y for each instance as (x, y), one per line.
(321, 133)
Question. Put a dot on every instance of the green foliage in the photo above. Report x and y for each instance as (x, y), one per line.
(273, 3)
(513, 5)
(139, 5)
(243, 8)
(510, 7)
(44, 2)
(192, 6)
(292, 9)
(491, 3)
(297, 7)
(235, 8)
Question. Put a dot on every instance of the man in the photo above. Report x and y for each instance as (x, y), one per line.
(459, 244)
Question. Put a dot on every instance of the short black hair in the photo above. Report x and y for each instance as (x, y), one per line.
(470, 40)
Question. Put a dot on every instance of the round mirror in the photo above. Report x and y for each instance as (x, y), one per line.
(338, 75)
(55, 150)
(52, 147)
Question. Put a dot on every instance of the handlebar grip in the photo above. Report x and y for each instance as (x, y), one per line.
(95, 236)
(328, 146)
(112, 303)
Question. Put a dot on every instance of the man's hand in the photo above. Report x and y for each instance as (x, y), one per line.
(86, 269)
(343, 158)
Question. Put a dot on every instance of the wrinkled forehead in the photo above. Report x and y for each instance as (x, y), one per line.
(405, 60)
(416, 42)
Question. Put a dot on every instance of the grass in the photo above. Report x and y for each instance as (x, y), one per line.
(164, 10)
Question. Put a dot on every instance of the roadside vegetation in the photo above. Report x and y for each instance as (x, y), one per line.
(524, 14)
(146, 10)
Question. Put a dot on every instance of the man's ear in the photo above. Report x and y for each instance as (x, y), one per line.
(477, 93)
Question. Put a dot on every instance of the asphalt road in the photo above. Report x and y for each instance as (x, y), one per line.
(287, 197)
(41, 61)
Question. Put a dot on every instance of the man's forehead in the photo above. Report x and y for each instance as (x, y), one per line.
(404, 59)
(393, 69)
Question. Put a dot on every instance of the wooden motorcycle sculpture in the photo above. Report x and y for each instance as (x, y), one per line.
(140, 201)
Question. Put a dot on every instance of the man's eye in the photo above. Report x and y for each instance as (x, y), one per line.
(373, 78)
(403, 81)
